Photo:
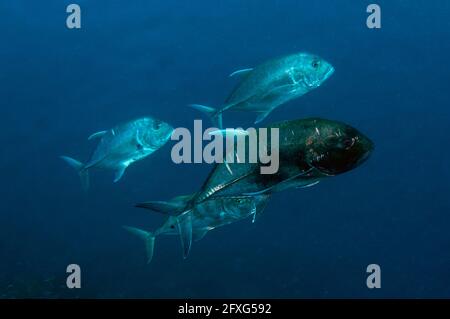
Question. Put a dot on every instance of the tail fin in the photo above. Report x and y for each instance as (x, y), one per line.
(214, 114)
(148, 237)
(84, 174)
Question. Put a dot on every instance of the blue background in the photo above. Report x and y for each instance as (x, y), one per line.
(135, 58)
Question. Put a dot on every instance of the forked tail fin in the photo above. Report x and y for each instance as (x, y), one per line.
(149, 240)
(82, 172)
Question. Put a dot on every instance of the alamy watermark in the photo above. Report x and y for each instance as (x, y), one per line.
(73, 20)
(227, 146)
(374, 19)
(374, 279)
(74, 279)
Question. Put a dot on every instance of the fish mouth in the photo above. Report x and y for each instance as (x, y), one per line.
(315, 83)
(311, 84)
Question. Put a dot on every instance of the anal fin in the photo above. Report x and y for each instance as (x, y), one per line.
(119, 173)
(261, 116)
(184, 222)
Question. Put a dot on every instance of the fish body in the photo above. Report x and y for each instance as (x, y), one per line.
(309, 151)
(217, 212)
(123, 145)
(195, 221)
(275, 82)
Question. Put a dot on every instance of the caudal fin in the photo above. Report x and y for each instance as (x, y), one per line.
(214, 114)
(82, 172)
(148, 238)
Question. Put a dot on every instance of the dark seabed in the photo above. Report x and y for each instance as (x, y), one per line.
(142, 57)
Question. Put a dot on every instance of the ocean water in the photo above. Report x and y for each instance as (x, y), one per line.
(137, 58)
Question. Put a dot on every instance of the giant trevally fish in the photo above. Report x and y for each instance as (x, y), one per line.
(123, 145)
(202, 218)
(267, 86)
(309, 151)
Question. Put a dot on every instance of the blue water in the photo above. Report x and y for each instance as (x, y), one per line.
(141, 57)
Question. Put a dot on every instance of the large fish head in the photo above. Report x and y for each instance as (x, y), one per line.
(153, 133)
(310, 71)
(336, 148)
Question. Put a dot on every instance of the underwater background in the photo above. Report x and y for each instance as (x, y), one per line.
(140, 57)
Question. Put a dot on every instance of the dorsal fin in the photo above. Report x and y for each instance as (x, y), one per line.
(97, 135)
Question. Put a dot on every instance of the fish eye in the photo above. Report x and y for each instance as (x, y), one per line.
(315, 64)
(348, 142)
(139, 147)
(156, 125)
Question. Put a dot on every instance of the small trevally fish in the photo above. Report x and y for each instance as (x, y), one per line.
(271, 84)
(123, 145)
(196, 221)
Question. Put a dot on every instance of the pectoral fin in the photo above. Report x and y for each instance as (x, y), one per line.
(119, 173)
(261, 192)
(309, 185)
(253, 213)
(229, 132)
(261, 116)
(279, 186)
(199, 234)
(259, 205)
(97, 135)
(230, 135)
(279, 90)
(184, 222)
(241, 72)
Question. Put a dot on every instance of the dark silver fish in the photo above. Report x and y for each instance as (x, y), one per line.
(309, 150)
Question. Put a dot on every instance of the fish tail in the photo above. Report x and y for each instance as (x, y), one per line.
(214, 114)
(82, 171)
(148, 237)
